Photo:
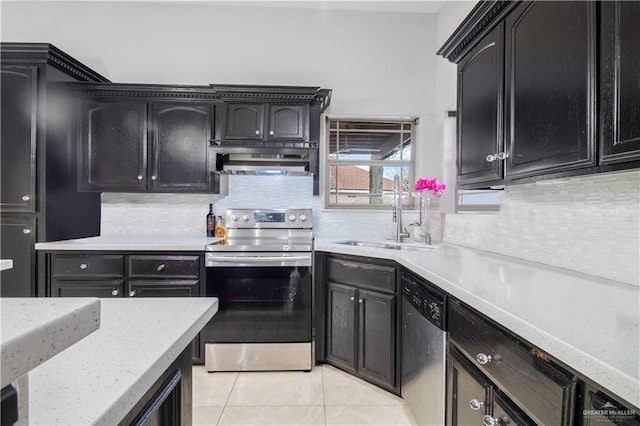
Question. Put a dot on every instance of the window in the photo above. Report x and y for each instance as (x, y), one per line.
(363, 157)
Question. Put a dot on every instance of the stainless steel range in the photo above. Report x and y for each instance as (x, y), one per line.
(261, 275)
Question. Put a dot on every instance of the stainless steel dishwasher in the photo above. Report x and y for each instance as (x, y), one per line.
(423, 349)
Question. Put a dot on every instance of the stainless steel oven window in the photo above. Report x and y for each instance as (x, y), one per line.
(362, 157)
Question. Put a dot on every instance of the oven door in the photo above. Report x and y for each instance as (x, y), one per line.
(263, 297)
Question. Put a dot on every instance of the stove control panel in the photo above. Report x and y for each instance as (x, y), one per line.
(269, 218)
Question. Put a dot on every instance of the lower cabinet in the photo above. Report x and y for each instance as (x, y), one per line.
(361, 329)
(496, 376)
(18, 237)
(83, 274)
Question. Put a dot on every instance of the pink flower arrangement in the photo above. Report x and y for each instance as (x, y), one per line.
(432, 185)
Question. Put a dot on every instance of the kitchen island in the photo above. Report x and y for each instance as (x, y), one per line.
(590, 324)
(107, 377)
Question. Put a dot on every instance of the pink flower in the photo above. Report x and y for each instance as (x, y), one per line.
(432, 185)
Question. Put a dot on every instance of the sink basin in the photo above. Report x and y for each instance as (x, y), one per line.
(390, 246)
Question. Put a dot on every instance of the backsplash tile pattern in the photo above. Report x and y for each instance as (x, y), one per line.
(589, 224)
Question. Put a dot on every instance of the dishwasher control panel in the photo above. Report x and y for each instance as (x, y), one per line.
(428, 300)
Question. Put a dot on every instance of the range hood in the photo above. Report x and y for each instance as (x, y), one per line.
(264, 164)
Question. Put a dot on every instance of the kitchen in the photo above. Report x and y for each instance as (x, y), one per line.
(341, 50)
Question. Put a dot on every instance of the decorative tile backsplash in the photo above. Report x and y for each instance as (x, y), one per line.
(588, 224)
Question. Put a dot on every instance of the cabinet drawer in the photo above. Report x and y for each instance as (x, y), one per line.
(87, 266)
(164, 288)
(93, 288)
(527, 375)
(367, 275)
(164, 266)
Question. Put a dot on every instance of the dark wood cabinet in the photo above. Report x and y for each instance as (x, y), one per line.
(550, 87)
(132, 274)
(114, 145)
(468, 392)
(18, 149)
(178, 155)
(480, 110)
(619, 83)
(540, 96)
(361, 327)
(130, 145)
(263, 121)
(18, 238)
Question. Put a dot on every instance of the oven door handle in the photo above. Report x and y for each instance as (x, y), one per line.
(213, 260)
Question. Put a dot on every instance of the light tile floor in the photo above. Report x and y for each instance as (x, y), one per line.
(324, 396)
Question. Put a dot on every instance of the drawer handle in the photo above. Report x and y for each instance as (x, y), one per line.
(475, 404)
(114, 292)
(84, 265)
(161, 267)
(491, 158)
(488, 420)
(132, 293)
(360, 300)
(26, 197)
(483, 359)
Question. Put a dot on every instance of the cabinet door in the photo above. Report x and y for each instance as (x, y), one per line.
(18, 235)
(164, 288)
(18, 136)
(179, 146)
(506, 413)
(480, 106)
(288, 122)
(550, 58)
(341, 328)
(243, 121)
(377, 337)
(468, 393)
(113, 139)
(619, 83)
(99, 288)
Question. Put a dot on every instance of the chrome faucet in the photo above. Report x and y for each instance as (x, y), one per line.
(401, 233)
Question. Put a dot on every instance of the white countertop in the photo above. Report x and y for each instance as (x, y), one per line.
(100, 379)
(131, 243)
(589, 323)
(34, 330)
(6, 264)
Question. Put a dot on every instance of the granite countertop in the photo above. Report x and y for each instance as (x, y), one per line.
(591, 324)
(34, 330)
(131, 243)
(100, 379)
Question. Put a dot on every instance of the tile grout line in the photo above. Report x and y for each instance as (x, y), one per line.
(324, 398)
(227, 400)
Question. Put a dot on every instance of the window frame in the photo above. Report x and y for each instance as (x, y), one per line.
(329, 162)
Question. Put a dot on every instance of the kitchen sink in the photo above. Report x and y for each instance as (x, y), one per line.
(390, 246)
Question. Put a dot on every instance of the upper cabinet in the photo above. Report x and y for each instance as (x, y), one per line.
(19, 102)
(158, 145)
(619, 83)
(527, 90)
(265, 122)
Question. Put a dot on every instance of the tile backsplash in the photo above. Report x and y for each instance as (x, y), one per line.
(588, 224)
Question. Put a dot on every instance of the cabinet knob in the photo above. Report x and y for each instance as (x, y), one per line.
(26, 231)
(154, 177)
(352, 298)
(475, 404)
(257, 132)
(271, 132)
(483, 358)
(139, 177)
(503, 156)
(488, 420)
(132, 293)
(161, 267)
(360, 300)
(84, 265)
(114, 292)
(491, 158)
(26, 197)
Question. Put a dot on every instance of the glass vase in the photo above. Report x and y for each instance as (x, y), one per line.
(432, 218)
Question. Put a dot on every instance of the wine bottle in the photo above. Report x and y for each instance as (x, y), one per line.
(211, 222)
